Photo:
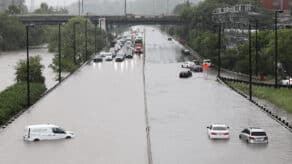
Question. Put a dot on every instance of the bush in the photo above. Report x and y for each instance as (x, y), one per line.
(14, 99)
(35, 70)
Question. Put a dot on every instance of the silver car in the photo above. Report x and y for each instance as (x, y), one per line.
(254, 135)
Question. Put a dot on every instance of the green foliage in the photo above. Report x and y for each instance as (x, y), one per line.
(67, 46)
(45, 9)
(280, 97)
(13, 10)
(13, 34)
(35, 70)
(14, 99)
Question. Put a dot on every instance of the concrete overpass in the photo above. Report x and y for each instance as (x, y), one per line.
(131, 20)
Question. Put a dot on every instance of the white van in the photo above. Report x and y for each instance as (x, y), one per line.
(46, 132)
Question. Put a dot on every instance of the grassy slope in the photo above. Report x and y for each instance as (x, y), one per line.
(280, 97)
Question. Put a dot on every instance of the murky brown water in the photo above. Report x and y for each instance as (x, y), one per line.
(8, 62)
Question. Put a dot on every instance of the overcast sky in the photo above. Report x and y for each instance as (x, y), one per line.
(62, 3)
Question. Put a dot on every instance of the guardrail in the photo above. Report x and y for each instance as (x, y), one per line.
(255, 83)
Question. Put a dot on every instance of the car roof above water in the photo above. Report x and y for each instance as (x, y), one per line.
(41, 126)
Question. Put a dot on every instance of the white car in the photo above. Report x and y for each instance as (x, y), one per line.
(286, 81)
(46, 132)
(218, 131)
(108, 58)
(188, 64)
(254, 135)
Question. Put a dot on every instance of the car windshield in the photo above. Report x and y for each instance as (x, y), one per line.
(258, 134)
(220, 128)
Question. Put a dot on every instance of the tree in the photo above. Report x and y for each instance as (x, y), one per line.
(13, 10)
(35, 70)
(67, 50)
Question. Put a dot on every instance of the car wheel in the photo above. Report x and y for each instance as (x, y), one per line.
(239, 136)
(68, 137)
(36, 140)
(247, 141)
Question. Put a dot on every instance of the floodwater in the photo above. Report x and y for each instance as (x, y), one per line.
(9, 60)
(181, 109)
(104, 105)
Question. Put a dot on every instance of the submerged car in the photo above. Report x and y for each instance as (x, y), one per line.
(287, 81)
(108, 58)
(218, 131)
(46, 132)
(120, 58)
(188, 64)
(186, 52)
(196, 68)
(97, 59)
(185, 74)
(254, 135)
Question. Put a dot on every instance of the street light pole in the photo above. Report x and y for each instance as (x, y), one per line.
(79, 7)
(59, 48)
(219, 49)
(95, 38)
(86, 38)
(27, 66)
(250, 64)
(276, 49)
(257, 50)
(125, 8)
(74, 42)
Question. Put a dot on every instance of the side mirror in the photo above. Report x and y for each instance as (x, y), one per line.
(228, 127)
(208, 127)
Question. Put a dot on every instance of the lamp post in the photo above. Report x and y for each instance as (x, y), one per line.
(74, 41)
(257, 50)
(219, 49)
(27, 65)
(95, 38)
(59, 48)
(86, 21)
(250, 62)
(276, 47)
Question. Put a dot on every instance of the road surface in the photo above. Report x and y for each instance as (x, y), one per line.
(180, 111)
(104, 105)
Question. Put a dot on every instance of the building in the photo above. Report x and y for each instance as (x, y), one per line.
(5, 3)
(276, 4)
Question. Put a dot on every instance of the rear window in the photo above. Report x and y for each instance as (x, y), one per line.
(219, 128)
(258, 134)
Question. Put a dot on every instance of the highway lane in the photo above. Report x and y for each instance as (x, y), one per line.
(102, 103)
(180, 111)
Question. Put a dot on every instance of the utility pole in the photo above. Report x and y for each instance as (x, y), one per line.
(74, 42)
(219, 49)
(86, 57)
(95, 38)
(59, 47)
(82, 6)
(276, 49)
(125, 8)
(79, 7)
(250, 62)
(257, 51)
(27, 66)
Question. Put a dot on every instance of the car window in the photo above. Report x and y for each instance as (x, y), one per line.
(258, 134)
(58, 131)
(220, 128)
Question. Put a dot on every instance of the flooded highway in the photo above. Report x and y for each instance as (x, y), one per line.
(9, 60)
(181, 109)
(103, 104)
